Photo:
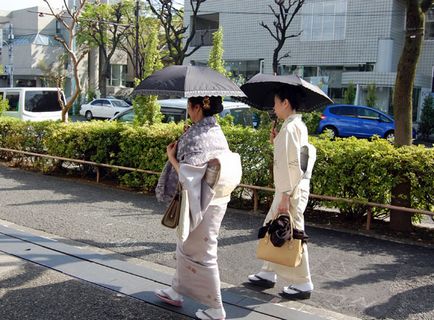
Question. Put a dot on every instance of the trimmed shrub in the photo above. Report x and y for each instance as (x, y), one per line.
(348, 168)
(312, 119)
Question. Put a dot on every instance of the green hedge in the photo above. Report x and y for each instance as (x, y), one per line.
(348, 168)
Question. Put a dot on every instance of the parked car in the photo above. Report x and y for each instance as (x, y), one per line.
(103, 108)
(359, 121)
(175, 110)
(32, 103)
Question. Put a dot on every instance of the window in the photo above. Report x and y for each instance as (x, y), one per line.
(242, 116)
(173, 114)
(96, 103)
(42, 101)
(127, 117)
(120, 103)
(368, 114)
(344, 111)
(206, 25)
(429, 24)
(243, 68)
(13, 99)
(324, 21)
(385, 119)
(118, 75)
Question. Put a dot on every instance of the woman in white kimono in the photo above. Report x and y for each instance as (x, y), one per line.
(291, 183)
(199, 159)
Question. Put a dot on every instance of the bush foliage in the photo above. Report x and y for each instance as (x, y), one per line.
(348, 168)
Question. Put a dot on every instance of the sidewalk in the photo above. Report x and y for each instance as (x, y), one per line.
(41, 278)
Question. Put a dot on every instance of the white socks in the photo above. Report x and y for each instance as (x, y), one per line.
(213, 313)
(303, 287)
(172, 294)
(270, 276)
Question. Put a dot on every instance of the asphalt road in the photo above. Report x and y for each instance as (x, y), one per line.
(354, 275)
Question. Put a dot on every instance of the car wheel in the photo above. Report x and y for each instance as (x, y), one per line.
(390, 136)
(88, 115)
(333, 131)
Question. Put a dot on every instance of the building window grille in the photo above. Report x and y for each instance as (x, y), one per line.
(324, 21)
(206, 25)
(429, 25)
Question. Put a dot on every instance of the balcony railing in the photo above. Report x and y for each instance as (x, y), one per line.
(202, 38)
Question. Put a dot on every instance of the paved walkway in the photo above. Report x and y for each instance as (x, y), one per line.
(353, 274)
(46, 279)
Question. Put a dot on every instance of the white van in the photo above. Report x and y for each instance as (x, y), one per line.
(32, 104)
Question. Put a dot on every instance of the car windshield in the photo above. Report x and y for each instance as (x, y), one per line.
(128, 116)
(120, 103)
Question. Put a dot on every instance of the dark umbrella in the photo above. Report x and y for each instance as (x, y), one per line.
(260, 91)
(188, 81)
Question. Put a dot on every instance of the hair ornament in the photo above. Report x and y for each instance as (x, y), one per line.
(206, 103)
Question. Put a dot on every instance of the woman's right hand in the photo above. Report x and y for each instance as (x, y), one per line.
(273, 134)
(283, 206)
(171, 151)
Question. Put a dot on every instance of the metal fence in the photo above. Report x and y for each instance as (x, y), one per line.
(254, 189)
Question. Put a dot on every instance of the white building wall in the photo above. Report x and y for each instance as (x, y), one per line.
(245, 39)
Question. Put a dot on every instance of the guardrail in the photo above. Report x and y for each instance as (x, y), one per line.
(254, 189)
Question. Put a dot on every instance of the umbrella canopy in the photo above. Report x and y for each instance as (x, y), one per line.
(188, 81)
(261, 88)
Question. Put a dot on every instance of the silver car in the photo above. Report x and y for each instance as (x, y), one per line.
(103, 108)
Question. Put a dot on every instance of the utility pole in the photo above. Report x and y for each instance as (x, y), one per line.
(11, 55)
(73, 44)
(137, 40)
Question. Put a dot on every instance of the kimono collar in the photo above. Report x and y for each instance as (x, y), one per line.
(207, 121)
(291, 118)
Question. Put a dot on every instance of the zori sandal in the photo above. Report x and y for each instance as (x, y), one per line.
(261, 282)
(297, 295)
(207, 315)
(163, 296)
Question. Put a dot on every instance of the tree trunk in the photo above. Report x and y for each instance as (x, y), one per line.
(400, 220)
(402, 105)
(102, 77)
(275, 61)
(64, 113)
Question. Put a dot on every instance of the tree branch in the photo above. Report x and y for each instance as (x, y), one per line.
(262, 24)
(286, 55)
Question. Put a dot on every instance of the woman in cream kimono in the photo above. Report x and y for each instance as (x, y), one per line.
(291, 174)
(202, 162)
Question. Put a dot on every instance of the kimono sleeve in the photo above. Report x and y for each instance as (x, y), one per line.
(199, 193)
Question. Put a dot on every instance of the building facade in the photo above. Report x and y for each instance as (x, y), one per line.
(34, 47)
(341, 42)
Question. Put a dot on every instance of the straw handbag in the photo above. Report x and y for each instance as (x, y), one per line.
(289, 254)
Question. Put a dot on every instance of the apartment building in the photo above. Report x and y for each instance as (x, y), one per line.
(34, 42)
(342, 41)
